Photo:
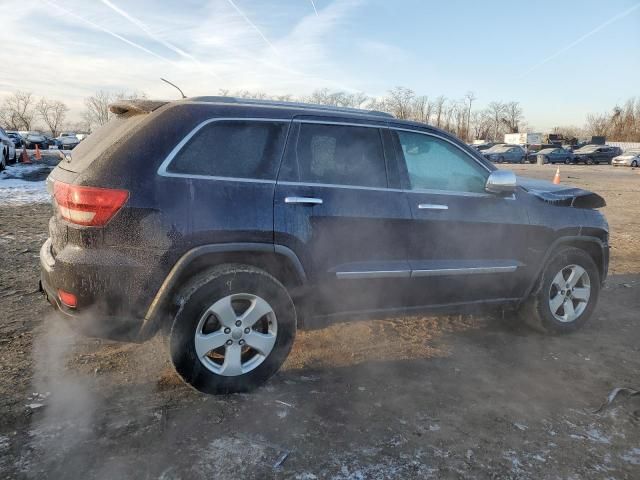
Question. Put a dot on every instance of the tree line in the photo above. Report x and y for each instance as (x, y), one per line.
(24, 111)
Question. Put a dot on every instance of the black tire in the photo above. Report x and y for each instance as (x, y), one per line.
(634, 163)
(567, 161)
(536, 311)
(201, 293)
(15, 156)
(501, 159)
(3, 160)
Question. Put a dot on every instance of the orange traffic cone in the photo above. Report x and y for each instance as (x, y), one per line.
(38, 156)
(556, 178)
(24, 156)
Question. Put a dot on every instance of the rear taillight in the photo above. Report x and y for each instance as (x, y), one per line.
(91, 206)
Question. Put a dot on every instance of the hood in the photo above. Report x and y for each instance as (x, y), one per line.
(626, 157)
(561, 195)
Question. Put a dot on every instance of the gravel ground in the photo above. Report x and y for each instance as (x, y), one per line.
(410, 397)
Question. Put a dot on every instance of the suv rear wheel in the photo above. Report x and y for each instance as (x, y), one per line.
(234, 330)
(567, 294)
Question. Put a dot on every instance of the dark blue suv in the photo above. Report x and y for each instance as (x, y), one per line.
(227, 224)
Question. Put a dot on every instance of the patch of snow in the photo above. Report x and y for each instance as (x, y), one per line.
(24, 183)
(632, 456)
(597, 436)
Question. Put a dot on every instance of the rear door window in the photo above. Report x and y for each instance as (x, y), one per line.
(341, 155)
(232, 148)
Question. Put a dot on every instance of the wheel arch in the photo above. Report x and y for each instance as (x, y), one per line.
(593, 246)
(277, 260)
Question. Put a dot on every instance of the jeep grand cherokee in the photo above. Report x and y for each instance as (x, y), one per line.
(228, 224)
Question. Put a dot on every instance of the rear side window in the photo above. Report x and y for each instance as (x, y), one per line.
(230, 148)
(340, 154)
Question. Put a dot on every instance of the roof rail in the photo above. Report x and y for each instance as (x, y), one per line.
(278, 103)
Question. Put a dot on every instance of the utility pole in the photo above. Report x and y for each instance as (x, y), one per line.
(471, 97)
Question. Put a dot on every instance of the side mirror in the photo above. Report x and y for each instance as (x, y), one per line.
(501, 181)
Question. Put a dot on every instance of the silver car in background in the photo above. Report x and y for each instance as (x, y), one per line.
(630, 158)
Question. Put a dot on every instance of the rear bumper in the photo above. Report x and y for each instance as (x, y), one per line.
(104, 292)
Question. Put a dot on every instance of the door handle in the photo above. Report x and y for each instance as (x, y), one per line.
(303, 200)
(432, 206)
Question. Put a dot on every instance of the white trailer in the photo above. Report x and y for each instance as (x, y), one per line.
(523, 138)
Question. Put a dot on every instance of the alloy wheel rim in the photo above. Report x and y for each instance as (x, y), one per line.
(236, 334)
(569, 293)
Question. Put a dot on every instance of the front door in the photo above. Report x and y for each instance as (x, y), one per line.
(466, 245)
(336, 209)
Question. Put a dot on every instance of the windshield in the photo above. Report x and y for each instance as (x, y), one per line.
(588, 149)
(497, 148)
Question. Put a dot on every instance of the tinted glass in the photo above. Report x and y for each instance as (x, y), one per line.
(434, 164)
(339, 154)
(242, 149)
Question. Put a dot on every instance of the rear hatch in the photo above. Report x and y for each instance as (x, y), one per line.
(100, 145)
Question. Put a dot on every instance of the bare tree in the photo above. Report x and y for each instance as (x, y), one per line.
(97, 106)
(496, 112)
(512, 116)
(420, 109)
(399, 102)
(53, 113)
(439, 107)
(469, 97)
(18, 111)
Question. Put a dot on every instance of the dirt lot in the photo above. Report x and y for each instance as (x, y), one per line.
(413, 397)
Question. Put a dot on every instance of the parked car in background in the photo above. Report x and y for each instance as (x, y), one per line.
(8, 151)
(555, 155)
(17, 139)
(229, 266)
(532, 150)
(68, 140)
(505, 153)
(630, 158)
(53, 142)
(591, 154)
(36, 138)
(481, 146)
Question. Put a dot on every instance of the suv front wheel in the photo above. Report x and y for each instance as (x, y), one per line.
(567, 293)
(233, 331)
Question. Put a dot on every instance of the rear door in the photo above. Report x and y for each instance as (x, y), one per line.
(339, 208)
(465, 244)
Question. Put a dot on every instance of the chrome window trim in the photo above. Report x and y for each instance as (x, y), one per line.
(162, 169)
(346, 124)
(336, 185)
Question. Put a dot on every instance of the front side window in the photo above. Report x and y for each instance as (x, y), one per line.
(341, 155)
(434, 164)
(230, 148)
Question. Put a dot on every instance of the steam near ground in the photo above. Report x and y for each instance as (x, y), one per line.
(411, 397)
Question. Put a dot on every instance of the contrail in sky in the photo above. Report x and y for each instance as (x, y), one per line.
(314, 7)
(146, 30)
(155, 37)
(582, 38)
(253, 25)
(109, 32)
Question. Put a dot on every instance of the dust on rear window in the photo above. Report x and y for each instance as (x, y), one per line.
(102, 140)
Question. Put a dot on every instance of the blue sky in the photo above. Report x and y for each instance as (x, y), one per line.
(590, 49)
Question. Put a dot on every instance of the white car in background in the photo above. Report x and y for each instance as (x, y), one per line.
(69, 140)
(8, 152)
(630, 158)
